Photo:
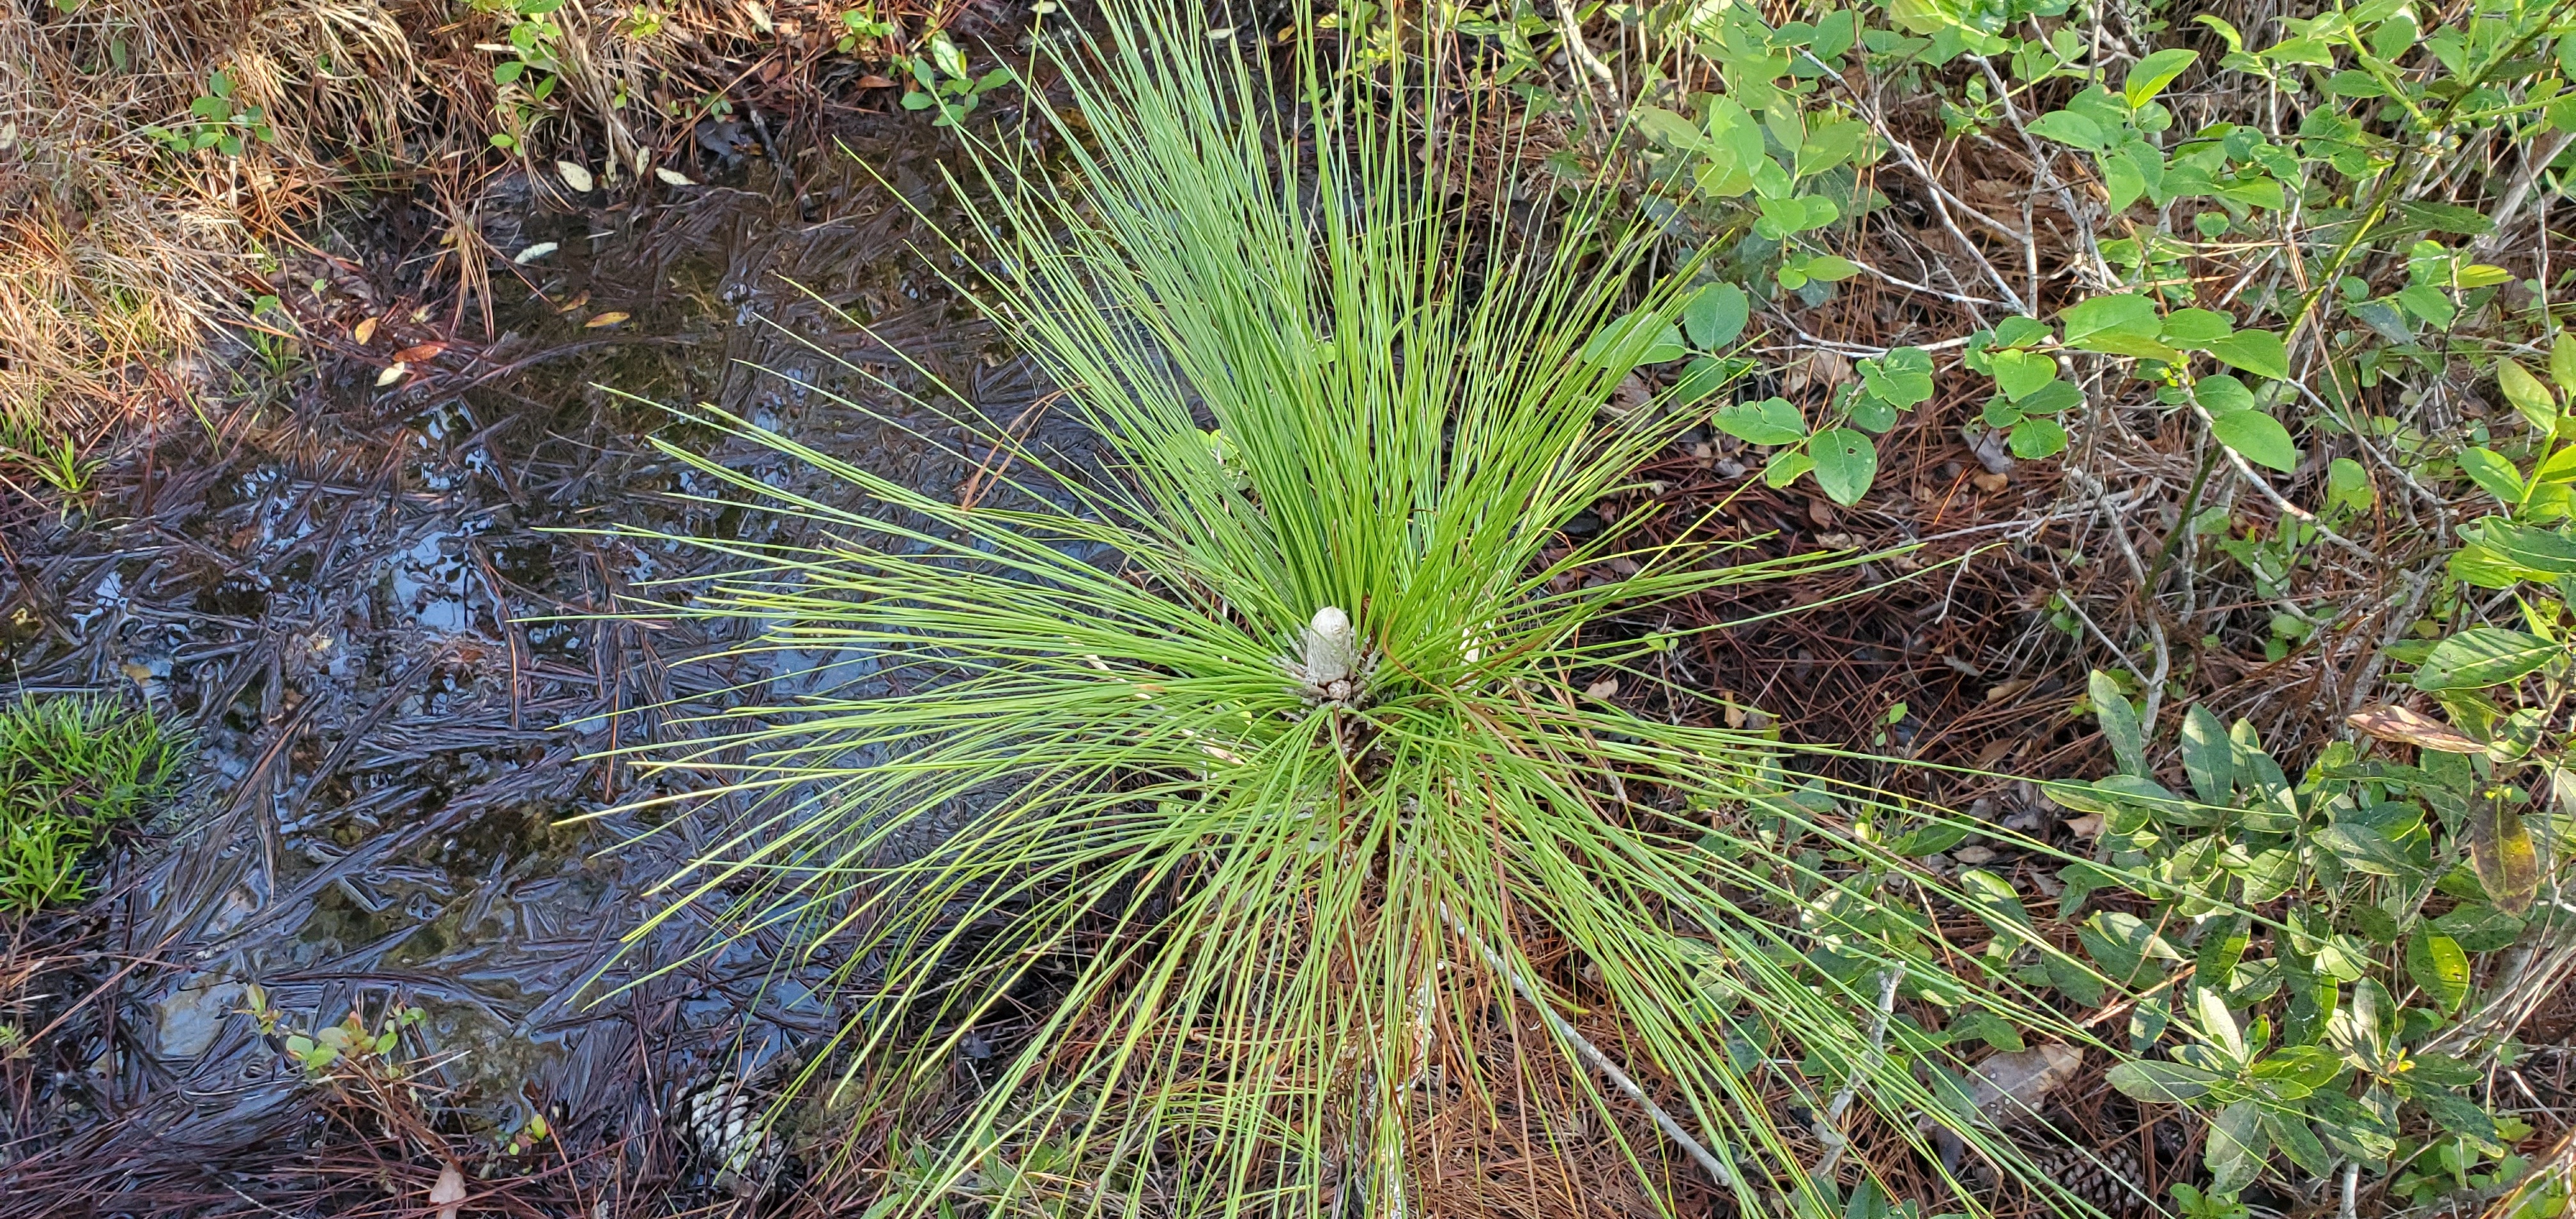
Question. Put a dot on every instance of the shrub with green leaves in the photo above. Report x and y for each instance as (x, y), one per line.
(2344, 953)
(2242, 277)
(2290, 235)
(71, 768)
(1277, 738)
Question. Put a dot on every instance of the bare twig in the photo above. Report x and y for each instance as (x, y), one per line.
(2039, 163)
(1925, 289)
(1580, 53)
(1829, 1127)
(2138, 571)
(2508, 209)
(2282, 503)
(2067, 599)
(1941, 200)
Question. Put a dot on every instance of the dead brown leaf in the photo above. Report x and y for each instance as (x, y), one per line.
(419, 353)
(610, 318)
(2016, 1081)
(365, 330)
(2390, 722)
(449, 1194)
(1630, 397)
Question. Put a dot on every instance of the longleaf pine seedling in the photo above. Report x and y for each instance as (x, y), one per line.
(71, 768)
(1251, 764)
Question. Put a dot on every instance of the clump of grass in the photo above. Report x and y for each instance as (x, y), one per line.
(1273, 739)
(70, 768)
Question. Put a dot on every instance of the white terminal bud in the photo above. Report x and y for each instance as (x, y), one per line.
(1330, 663)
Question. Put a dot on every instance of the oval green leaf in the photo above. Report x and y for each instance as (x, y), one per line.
(1846, 463)
(2483, 656)
(2155, 72)
(2021, 373)
(2120, 727)
(2127, 313)
(2255, 351)
(2258, 436)
(2505, 859)
(1784, 468)
(2437, 965)
(2167, 1083)
(2197, 327)
(1715, 315)
(2220, 393)
(1703, 377)
(2528, 396)
(1770, 421)
(1641, 337)
(2032, 439)
(2489, 470)
(2068, 127)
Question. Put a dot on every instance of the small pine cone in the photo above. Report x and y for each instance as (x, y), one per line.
(2109, 1178)
(721, 1122)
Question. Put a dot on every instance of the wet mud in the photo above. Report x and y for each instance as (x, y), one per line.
(377, 611)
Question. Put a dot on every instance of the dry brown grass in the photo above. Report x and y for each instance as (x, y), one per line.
(123, 262)
(119, 256)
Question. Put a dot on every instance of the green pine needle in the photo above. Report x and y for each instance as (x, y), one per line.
(1284, 875)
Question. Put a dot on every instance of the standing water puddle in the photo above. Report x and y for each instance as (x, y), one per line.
(356, 601)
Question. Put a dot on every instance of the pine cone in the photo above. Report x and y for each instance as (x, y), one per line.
(720, 1121)
(2110, 1177)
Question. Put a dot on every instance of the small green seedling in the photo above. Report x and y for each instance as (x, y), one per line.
(346, 1044)
(944, 82)
(525, 81)
(859, 26)
(217, 119)
(54, 459)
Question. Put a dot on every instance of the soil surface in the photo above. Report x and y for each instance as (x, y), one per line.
(377, 607)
